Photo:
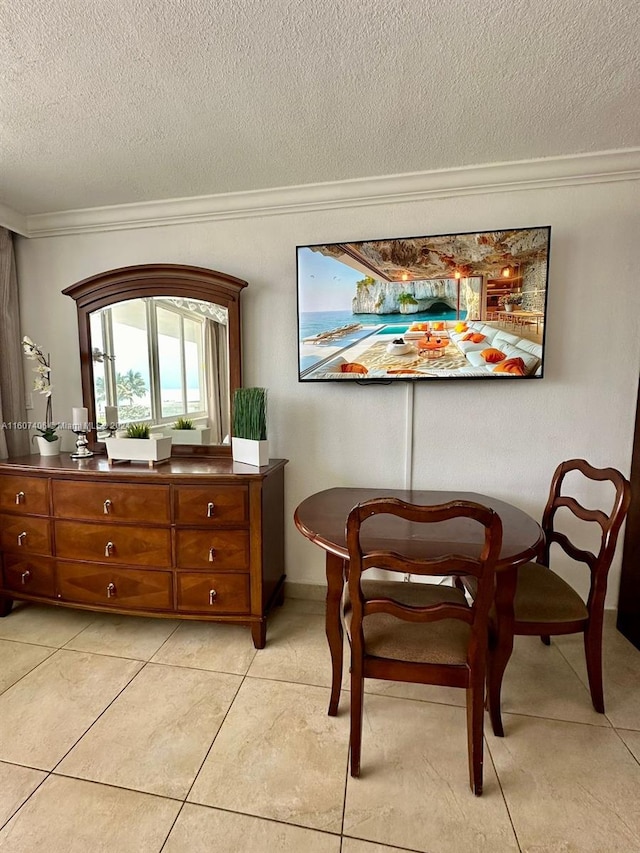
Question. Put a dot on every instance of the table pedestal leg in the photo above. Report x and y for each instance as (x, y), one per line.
(333, 626)
(500, 644)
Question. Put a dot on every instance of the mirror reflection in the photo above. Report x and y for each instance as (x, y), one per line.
(164, 361)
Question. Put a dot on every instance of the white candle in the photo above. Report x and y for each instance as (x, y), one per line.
(111, 416)
(80, 419)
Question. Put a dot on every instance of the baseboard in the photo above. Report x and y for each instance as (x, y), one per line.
(307, 591)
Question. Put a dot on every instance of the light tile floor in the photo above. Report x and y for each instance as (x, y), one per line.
(123, 734)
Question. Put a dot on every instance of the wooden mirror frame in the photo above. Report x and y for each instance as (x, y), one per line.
(145, 280)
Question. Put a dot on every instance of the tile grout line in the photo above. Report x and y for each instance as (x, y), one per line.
(556, 719)
(586, 686)
(54, 650)
(61, 775)
(626, 746)
(504, 799)
(247, 677)
(170, 830)
(33, 669)
(100, 715)
(185, 802)
(166, 640)
(222, 722)
(38, 786)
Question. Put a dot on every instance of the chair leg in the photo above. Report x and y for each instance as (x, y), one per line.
(357, 700)
(593, 654)
(500, 648)
(475, 732)
(546, 639)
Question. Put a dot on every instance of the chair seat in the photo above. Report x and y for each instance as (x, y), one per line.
(442, 642)
(543, 596)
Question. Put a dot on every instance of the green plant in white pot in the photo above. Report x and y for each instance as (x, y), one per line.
(184, 431)
(249, 426)
(183, 424)
(139, 444)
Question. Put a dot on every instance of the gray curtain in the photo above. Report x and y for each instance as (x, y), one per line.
(13, 441)
(216, 359)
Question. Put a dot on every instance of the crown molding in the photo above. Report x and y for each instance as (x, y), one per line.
(13, 221)
(572, 170)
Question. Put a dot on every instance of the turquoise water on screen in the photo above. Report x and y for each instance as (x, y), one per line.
(314, 322)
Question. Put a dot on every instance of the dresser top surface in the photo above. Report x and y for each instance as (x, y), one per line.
(173, 469)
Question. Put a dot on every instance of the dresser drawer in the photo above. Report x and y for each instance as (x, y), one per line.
(25, 534)
(212, 549)
(202, 592)
(211, 505)
(113, 543)
(106, 501)
(24, 494)
(32, 575)
(142, 589)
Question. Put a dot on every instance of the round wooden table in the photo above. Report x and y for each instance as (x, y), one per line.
(322, 519)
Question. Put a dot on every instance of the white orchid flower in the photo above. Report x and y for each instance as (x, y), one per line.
(41, 383)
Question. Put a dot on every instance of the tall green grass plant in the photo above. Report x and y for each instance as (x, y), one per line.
(250, 413)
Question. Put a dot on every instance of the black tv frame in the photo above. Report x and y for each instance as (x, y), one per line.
(514, 247)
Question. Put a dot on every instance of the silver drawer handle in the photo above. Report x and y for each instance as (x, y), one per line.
(212, 596)
(108, 549)
(210, 508)
(20, 497)
(111, 590)
(107, 506)
(24, 577)
(212, 554)
(21, 537)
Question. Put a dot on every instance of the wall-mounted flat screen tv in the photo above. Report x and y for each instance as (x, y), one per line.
(450, 306)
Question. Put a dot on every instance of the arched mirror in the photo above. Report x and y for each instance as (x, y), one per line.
(160, 344)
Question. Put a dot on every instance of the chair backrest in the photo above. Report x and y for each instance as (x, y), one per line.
(409, 559)
(610, 522)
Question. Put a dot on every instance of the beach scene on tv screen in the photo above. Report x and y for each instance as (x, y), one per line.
(438, 307)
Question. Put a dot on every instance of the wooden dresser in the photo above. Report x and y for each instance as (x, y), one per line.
(194, 538)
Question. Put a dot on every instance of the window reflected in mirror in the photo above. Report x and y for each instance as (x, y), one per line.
(158, 360)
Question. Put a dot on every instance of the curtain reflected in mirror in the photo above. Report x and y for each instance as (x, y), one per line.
(163, 361)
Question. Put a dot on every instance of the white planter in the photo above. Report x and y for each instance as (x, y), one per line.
(399, 349)
(139, 449)
(250, 452)
(199, 435)
(48, 448)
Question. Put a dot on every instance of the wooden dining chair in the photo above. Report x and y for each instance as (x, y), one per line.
(545, 604)
(420, 632)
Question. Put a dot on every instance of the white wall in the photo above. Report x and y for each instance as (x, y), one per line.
(504, 439)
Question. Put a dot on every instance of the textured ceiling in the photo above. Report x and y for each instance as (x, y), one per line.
(131, 100)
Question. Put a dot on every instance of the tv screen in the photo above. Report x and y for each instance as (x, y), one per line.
(450, 306)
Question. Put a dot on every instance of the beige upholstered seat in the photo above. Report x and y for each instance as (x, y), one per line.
(416, 632)
(427, 642)
(543, 596)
